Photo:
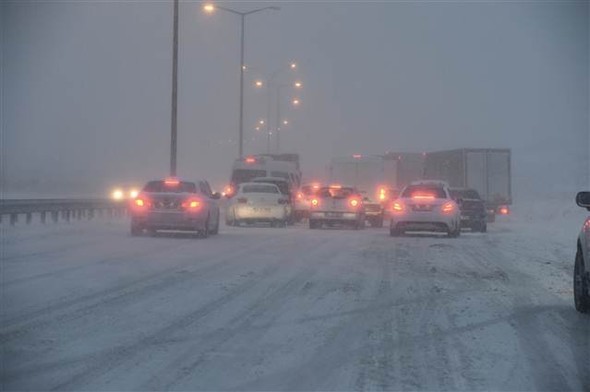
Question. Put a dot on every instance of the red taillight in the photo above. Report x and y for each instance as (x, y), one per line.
(192, 204)
(171, 181)
(300, 195)
(503, 210)
(354, 203)
(315, 202)
(250, 160)
(397, 207)
(448, 207)
(242, 200)
(423, 196)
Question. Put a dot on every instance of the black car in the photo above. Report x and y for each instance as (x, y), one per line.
(582, 266)
(473, 210)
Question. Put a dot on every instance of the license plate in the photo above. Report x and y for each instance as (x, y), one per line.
(261, 209)
(334, 214)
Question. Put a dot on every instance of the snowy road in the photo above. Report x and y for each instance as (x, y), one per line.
(87, 307)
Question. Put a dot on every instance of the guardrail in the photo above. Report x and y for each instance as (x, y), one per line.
(67, 209)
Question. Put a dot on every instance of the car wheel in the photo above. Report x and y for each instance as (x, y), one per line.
(454, 233)
(394, 231)
(379, 222)
(136, 230)
(204, 233)
(581, 295)
(216, 228)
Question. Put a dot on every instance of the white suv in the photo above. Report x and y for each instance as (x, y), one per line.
(425, 206)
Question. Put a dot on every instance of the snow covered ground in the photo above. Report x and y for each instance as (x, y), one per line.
(85, 306)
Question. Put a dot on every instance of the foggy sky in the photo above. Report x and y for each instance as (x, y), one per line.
(86, 87)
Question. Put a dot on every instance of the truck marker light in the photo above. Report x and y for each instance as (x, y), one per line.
(354, 202)
(315, 202)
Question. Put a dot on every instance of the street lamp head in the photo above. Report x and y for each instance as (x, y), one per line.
(286, 122)
(261, 122)
(258, 83)
(209, 8)
(297, 84)
(296, 102)
(293, 65)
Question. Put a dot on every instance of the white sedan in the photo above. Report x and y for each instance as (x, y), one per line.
(425, 206)
(257, 202)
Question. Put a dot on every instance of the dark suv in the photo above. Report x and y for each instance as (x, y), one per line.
(582, 263)
(473, 211)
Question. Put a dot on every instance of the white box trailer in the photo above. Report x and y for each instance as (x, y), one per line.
(487, 170)
(366, 173)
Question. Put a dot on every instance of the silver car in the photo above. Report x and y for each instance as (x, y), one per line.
(172, 204)
(337, 205)
(257, 203)
(425, 206)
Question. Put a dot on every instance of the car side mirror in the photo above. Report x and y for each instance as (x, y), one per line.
(583, 200)
(216, 196)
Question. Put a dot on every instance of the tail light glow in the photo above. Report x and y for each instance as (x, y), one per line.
(315, 202)
(354, 202)
(192, 204)
(397, 207)
(448, 207)
(172, 181)
(503, 210)
(423, 196)
(140, 203)
(250, 160)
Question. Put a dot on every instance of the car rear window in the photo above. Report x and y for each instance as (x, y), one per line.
(259, 189)
(244, 175)
(424, 191)
(282, 185)
(162, 187)
(336, 193)
(284, 175)
(465, 194)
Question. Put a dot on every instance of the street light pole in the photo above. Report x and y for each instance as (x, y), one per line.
(241, 127)
(211, 8)
(174, 92)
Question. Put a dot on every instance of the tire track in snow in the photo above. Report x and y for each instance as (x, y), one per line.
(79, 307)
(121, 354)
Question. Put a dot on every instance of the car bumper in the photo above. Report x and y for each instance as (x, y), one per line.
(423, 222)
(329, 216)
(170, 221)
(261, 213)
